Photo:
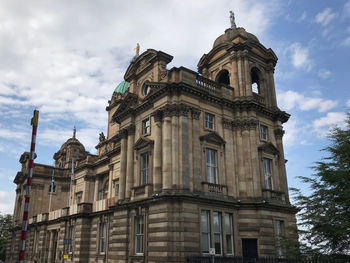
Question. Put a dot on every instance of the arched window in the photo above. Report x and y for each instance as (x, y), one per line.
(255, 80)
(223, 77)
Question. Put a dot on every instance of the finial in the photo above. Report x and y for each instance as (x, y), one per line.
(137, 49)
(74, 131)
(232, 19)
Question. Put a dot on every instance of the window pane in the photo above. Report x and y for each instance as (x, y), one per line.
(217, 245)
(205, 228)
(229, 233)
(211, 164)
(217, 232)
(205, 243)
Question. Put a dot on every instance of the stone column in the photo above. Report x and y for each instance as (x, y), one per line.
(157, 155)
(248, 82)
(196, 151)
(130, 161)
(234, 75)
(110, 180)
(184, 148)
(254, 157)
(123, 152)
(279, 132)
(271, 87)
(229, 159)
(175, 148)
(167, 135)
(240, 71)
(97, 182)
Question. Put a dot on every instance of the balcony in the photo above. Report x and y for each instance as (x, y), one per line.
(272, 196)
(217, 189)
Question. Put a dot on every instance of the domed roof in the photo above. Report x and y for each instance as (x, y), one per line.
(233, 33)
(73, 141)
(122, 87)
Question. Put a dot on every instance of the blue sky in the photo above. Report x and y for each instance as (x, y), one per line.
(66, 57)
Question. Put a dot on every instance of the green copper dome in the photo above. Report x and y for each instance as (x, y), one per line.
(122, 87)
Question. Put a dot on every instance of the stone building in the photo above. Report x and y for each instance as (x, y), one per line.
(191, 161)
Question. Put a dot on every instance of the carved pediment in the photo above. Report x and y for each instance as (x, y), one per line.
(143, 142)
(269, 148)
(213, 137)
(143, 63)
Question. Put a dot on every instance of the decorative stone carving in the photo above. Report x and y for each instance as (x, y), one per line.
(195, 113)
(102, 137)
(142, 143)
(158, 115)
(279, 132)
(269, 148)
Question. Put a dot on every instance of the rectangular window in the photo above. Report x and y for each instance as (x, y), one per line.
(229, 234)
(144, 168)
(263, 133)
(102, 238)
(205, 228)
(209, 121)
(217, 233)
(116, 190)
(70, 238)
(146, 128)
(268, 173)
(78, 197)
(211, 163)
(139, 233)
(279, 231)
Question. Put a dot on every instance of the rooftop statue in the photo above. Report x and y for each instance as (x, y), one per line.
(232, 20)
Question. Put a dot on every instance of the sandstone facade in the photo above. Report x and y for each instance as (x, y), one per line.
(191, 161)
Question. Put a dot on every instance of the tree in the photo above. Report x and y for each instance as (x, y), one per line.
(5, 225)
(325, 213)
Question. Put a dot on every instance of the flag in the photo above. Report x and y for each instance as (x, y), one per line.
(53, 181)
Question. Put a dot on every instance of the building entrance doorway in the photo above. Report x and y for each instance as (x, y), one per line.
(250, 247)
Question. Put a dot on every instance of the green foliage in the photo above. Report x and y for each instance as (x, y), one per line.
(5, 225)
(325, 213)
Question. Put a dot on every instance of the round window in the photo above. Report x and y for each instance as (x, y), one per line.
(146, 89)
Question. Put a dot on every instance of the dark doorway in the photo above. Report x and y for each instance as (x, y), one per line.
(54, 246)
(250, 247)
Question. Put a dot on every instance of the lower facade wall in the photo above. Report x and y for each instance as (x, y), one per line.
(172, 232)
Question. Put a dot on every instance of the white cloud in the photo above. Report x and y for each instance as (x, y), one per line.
(325, 17)
(290, 99)
(300, 56)
(346, 9)
(302, 17)
(67, 66)
(346, 42)
(323, 125)
(7, 200)
(291, 132)
(324, 73)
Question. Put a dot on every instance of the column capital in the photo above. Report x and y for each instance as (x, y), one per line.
(158, 115)
(279, 132)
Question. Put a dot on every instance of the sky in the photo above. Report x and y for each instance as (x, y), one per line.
(65, 59)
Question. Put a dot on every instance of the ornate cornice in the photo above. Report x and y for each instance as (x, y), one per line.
(240, 124)
(157, 115)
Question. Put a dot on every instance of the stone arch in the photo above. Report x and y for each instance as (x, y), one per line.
(256, 80)
(223, 77)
